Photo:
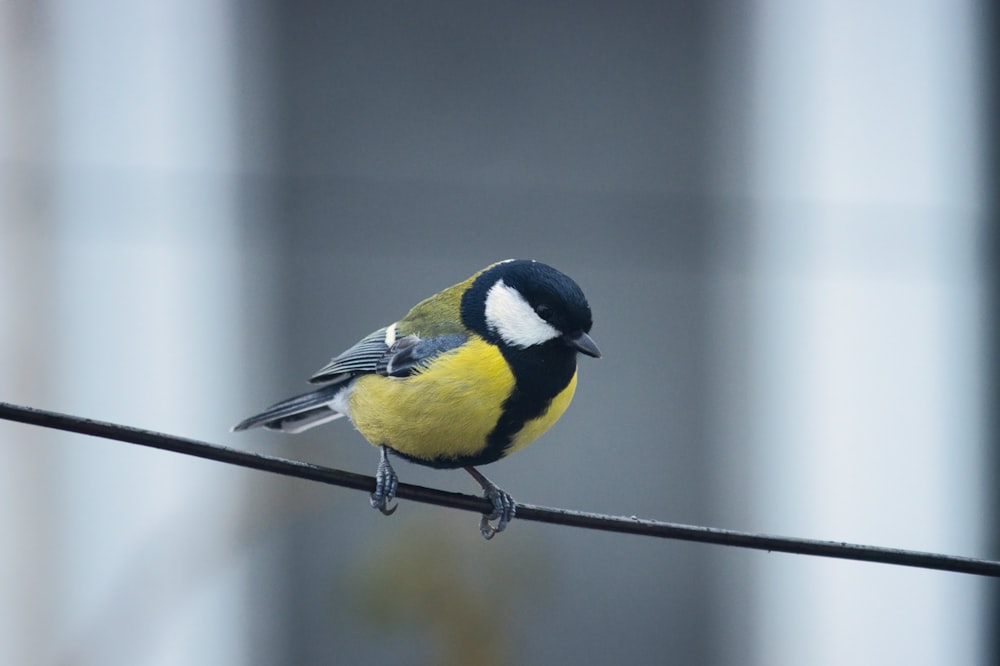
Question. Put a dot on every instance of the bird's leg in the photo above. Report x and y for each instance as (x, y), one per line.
(385, 484)
(504, 506)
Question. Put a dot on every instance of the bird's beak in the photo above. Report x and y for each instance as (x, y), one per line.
(583, 343)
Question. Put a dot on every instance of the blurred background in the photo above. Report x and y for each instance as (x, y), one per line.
(783, 213)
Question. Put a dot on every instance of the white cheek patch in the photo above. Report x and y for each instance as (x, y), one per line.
(516, 322)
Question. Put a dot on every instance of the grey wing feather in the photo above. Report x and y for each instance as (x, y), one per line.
(362, 357)
(298, 413)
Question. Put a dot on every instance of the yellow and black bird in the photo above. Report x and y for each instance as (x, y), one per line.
(468, 376)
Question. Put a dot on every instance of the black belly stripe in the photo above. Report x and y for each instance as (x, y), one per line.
(540, 374)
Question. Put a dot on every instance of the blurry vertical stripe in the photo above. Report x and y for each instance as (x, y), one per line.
(121, 118)
(867, 309)
(26, 317)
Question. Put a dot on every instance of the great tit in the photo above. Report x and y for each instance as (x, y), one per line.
(468, 376)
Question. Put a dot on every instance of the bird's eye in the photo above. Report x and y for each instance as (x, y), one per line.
(544, 311)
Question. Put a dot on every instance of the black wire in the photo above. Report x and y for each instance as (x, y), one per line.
(595, 521)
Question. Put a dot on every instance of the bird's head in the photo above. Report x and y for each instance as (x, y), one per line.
(521, 304)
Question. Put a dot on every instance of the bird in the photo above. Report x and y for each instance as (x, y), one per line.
(468, 376)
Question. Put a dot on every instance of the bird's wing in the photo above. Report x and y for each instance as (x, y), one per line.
(362, 357)
(374, 355)
(410, 354)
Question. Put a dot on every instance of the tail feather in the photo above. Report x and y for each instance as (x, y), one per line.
(298, 413)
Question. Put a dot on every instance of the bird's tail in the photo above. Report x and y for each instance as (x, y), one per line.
(299, 413)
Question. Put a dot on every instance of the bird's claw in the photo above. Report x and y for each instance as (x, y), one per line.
(504, 506)
(504, 509)
(385, 486)
(380, 504)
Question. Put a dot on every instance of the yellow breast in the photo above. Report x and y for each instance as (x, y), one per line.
(447, 411)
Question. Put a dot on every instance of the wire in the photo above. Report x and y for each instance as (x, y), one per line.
(595, 521)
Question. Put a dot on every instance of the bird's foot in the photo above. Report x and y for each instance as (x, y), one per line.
(385, 485)
(504, 506)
